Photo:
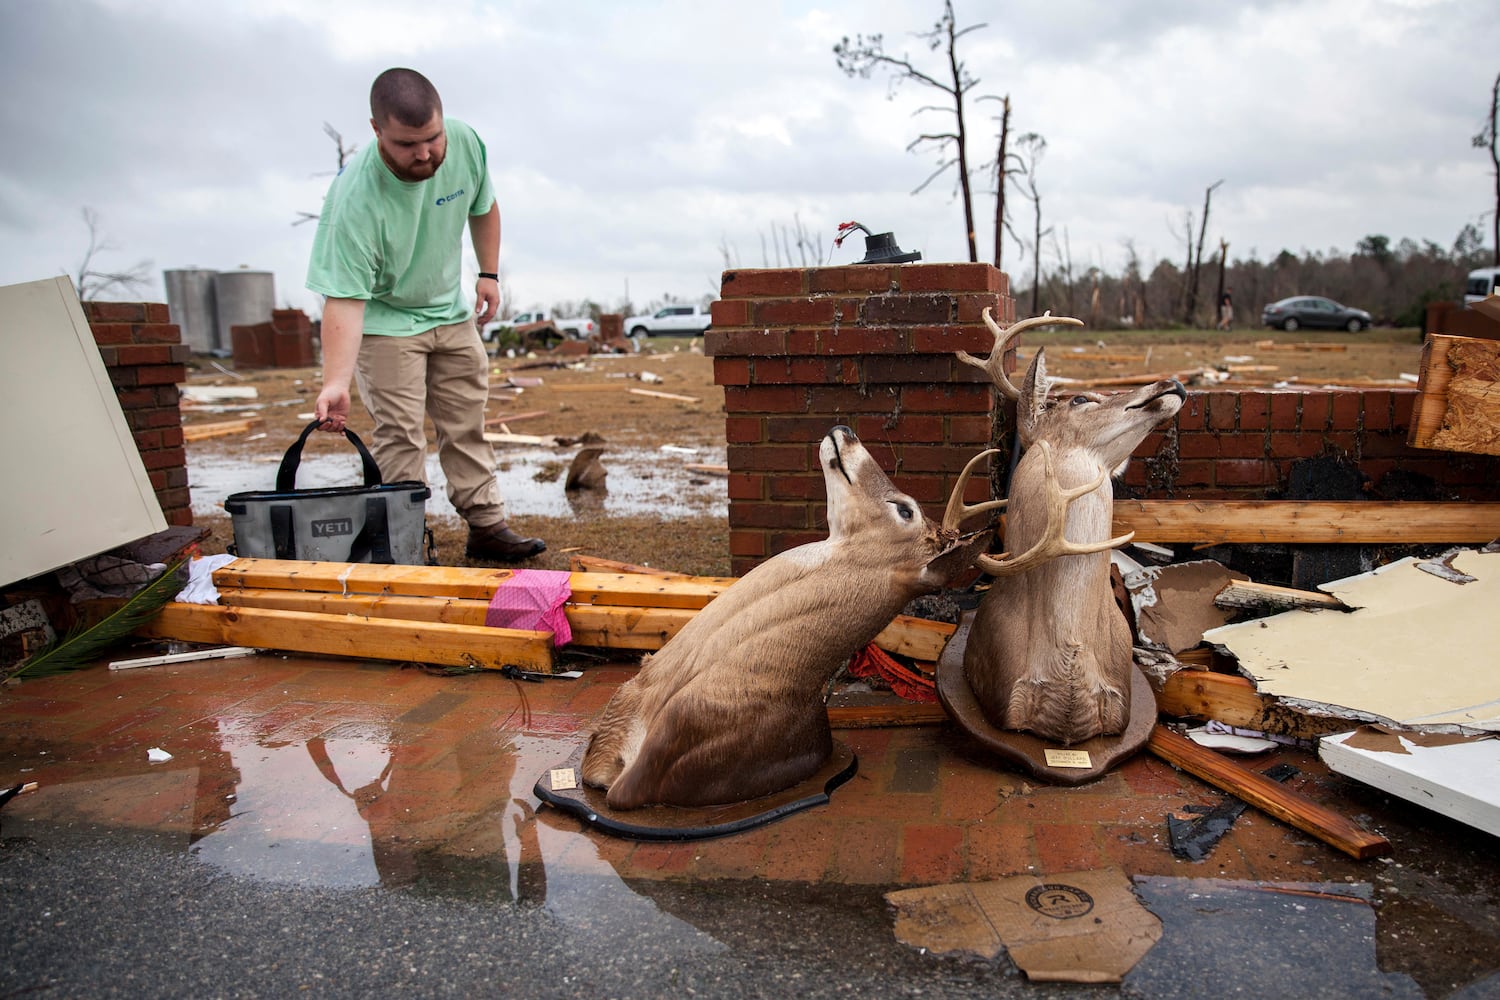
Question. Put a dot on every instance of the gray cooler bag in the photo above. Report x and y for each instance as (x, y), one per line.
(377, 523)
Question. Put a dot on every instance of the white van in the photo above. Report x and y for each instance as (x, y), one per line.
(1482, 283)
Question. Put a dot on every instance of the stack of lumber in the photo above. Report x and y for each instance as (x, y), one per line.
(436, 614)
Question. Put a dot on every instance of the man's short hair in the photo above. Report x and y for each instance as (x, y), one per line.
(406, 96)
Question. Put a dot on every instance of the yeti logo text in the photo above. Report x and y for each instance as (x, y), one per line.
(334, 526)
(451, 197)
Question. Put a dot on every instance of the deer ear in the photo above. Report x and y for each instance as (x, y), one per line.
(1033, 398)
(953, 560)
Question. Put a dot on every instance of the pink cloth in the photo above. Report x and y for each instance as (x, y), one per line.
(533, 599)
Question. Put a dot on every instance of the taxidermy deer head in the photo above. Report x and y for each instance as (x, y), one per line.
(732, 707)
(1049, 651)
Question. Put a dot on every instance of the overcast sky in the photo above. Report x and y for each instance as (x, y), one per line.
(633, 145)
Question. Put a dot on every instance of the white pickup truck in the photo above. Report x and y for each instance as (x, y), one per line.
(669, 321)
(577, 329)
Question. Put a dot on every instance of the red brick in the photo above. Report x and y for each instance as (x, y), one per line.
(1377, 410)
(767, 458)
(867, 853)
(745, 542)
(744, 430)
(1242, 472)
(965, 429)
(765, 399)
(1199, 445)
(788, 487)
(1255, 410)
(854, 278)
(115, 312)
(157, 312)
(797, 370)
(861, 340)
(910, 368)
(143, 354)
(1403, 401)
(793, 312)
(931, 855)
(775, 281)
(1194, 413)
(161, 374)
(998, 850)
(735, 342)
(881, 310)
(1248, 445)
(802, 429)
(110, 333)
(841, 401)
(768, 515)
(946, 398)
(1223, 410)
(970, 308)
(156, 333)
(1295, 445)
(947, 338)
(147, 440)
(745, 486)
(1198, 472)
(1284, 409)
(164, 459)
(729, 312)
(1315, 410)
(951, 277)
(924, 429)
(1345, 409)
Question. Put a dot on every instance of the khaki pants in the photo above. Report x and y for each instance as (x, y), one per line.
(443, 374)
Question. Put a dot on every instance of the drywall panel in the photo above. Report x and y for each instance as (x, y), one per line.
(1418, 650)
(1459, 778)
(75, 485)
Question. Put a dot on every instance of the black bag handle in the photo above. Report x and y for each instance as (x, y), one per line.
(286, 476)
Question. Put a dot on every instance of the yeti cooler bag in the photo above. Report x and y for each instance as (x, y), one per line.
(377, 523)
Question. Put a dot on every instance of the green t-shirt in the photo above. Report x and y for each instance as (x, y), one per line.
(398, 244)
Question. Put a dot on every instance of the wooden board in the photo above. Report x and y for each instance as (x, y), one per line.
(1459, 405)
(351, 636)
(1460, 780)
(631, 589)
(219, 428)
(1267, 795)
(1227, 698)
(1214, 522)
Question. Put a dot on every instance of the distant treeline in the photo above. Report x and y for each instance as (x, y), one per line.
(1394, 282)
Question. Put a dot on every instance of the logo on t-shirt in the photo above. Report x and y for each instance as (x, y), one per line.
(451, 197)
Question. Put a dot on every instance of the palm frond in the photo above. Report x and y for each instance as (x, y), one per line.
(80, 647)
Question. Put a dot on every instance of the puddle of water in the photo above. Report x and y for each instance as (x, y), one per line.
(531, 479)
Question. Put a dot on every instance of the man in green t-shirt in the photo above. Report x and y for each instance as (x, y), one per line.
(387, 256)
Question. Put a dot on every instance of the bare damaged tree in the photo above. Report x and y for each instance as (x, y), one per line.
(1488, 137)
(1003, 170)
(91, 283)
(1195, 263)
(1031, 146)
(345, 154)
(863, 54)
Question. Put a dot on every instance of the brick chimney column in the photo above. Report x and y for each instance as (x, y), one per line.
(799, 350)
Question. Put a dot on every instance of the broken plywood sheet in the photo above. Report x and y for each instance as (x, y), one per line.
(1077, 927)
(1418, 650)
(1174, 605)
(1456, 776)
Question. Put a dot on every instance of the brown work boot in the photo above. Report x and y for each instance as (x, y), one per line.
(498, 543)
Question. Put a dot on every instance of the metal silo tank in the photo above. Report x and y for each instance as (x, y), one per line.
(190, 300)
(242, 298)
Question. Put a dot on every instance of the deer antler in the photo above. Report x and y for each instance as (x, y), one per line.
(994, 365)
(958, 511)
(1052, 543)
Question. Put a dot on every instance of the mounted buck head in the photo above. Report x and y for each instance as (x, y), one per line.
(1049, 651)
(732, 708)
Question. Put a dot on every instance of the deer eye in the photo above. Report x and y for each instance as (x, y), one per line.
(1079, 401)
(904, 510)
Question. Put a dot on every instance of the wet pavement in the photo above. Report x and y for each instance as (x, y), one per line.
(343, 828)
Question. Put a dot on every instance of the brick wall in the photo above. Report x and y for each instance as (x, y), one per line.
(1249, 444)
(283, 342)
(146, 359)
(871, 346)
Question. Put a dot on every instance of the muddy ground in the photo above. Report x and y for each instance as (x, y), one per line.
(658, 510)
